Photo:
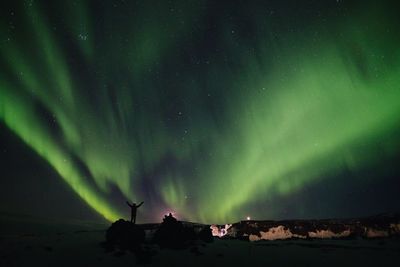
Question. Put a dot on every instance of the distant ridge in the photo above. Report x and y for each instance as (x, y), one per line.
(377, 226)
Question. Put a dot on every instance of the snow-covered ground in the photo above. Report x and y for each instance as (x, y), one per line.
(83, 249)
(63, 245)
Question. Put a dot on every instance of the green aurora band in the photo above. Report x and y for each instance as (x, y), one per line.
(262, 116)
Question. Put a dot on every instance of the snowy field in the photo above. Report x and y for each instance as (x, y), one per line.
(83, 249)
(79, 245)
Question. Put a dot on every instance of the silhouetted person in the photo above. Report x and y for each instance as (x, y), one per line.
(133, 210)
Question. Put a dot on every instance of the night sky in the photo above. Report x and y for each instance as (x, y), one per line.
(212, 110)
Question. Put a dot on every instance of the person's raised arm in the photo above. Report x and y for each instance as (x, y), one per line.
(129, 204)
(140, 204)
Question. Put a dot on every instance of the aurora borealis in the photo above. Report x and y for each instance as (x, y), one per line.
(215, 111)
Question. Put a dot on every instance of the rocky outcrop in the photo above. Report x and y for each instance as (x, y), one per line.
(173, 234)
(385, 225)
(124, 235)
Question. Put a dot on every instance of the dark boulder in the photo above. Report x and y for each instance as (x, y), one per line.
(172, 234)
(205, 234)
(125, 235)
